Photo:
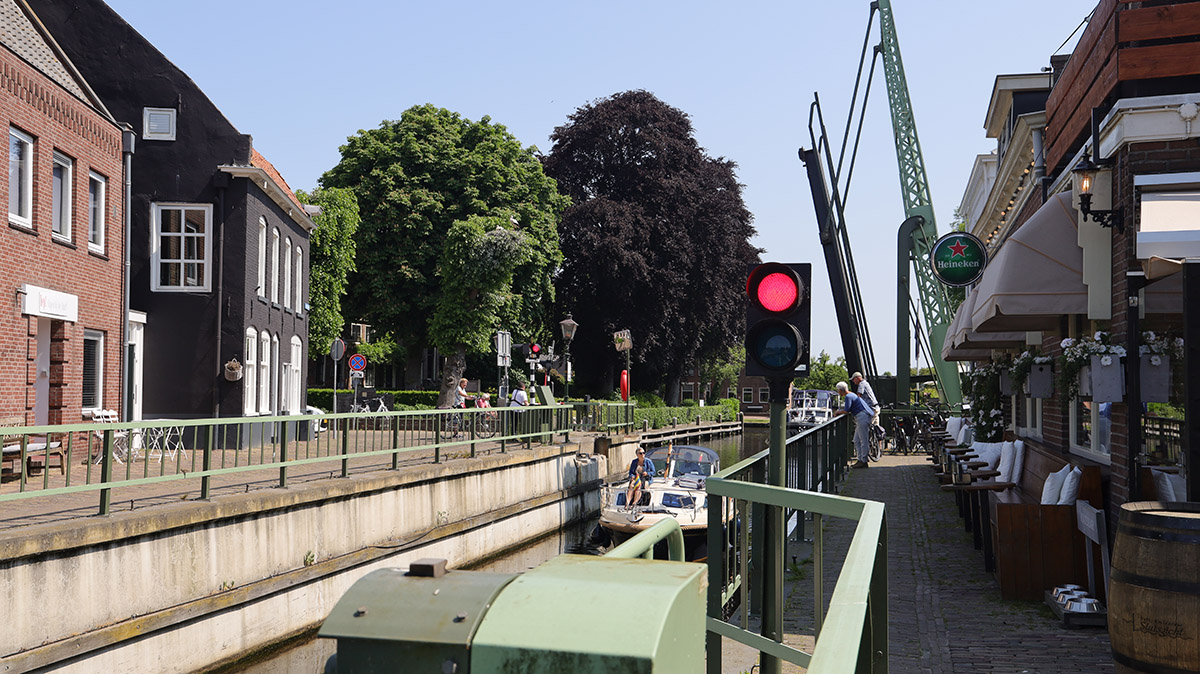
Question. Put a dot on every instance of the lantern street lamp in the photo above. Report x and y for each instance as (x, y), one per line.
(568, 332)
(1086, 171)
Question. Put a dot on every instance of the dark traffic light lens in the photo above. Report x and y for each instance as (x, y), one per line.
(775, 345)
(777, 292)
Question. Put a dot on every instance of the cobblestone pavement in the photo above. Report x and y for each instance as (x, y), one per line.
(945, 613)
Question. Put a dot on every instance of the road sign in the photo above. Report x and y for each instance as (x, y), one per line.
(503, 349)
(622, 340)
(358, 362)
(337, 349)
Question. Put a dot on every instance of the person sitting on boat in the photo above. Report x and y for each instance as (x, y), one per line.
(641, 473)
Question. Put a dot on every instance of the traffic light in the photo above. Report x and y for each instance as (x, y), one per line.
(535, 351)
(523, 350)
(777, 321)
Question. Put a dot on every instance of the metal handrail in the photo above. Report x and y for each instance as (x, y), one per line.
(642, 544)
(852, 635)
(101, 456)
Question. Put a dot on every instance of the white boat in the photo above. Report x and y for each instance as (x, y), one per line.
(677, 491)
(810, 407)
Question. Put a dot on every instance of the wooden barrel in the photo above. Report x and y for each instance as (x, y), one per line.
(1154, 590)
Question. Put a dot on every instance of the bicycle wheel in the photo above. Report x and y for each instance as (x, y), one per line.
(874, 448)
(486, 427)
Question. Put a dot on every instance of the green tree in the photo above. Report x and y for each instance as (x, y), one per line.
(722, 371)
(476, 271)
(331, 260)
(825, 373)
(657, 240)
(415, 179)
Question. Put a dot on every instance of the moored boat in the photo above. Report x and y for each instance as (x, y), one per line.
(810, 407)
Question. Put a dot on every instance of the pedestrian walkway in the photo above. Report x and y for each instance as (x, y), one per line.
(945, 613)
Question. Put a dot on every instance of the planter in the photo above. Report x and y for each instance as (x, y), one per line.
(1006, 387)
(1041, 381)
(1108, 381)
(1156, 379)
(1085, 381)
(233, 375)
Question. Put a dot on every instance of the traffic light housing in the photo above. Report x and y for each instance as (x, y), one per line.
(535, 350)
(778, 312)
(522, 350)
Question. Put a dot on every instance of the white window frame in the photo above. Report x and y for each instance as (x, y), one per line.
(169, 134)
(287, 273)
(1092, 449)
(264, 373)
(747, 394)
(764, 394)
(299, 303)
(249, 371)
(262, 257)
(205, 262)
(98, 337)
(61, 229)
(97, 211)
(275, 373)
(26, 177)
(297, 362)
(275, 268)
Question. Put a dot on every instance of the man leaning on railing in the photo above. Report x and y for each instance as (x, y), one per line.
(862, 414)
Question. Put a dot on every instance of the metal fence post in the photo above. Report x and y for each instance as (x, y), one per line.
(206, 463)
(437, 439)
(105, 472)
(395, 423)
(283, 454)
(345, 448)
(716, 580)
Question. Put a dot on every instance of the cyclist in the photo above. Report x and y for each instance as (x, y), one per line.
(461, 396)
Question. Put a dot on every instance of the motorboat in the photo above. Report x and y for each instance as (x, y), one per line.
(810, 407)
(677, 491)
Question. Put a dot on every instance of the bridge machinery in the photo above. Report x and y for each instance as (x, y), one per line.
(574, 613)
(916, 235)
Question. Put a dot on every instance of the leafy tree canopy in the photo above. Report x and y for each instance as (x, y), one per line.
(331, 260)
(415, 178)
(657, 240)
(825, 373)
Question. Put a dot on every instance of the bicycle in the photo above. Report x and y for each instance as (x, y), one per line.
(875, 442)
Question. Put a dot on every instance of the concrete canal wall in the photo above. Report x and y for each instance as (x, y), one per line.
(155, 590)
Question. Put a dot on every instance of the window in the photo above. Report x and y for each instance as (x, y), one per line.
(158, 123)
(275, 374)
(275, 262)
(262, 257)
(689, 391)
(97, 192)
(264, 372)
(731, 393)
(20, 178)
(249, 370)
(93, 370)
(297, 362)
(299, 303)
(1091, 429)
(764, 395)
(60, 196)
(181, 247)
(287, 273)
(747, 395)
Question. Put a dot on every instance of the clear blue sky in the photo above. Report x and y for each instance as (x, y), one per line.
(301, 76)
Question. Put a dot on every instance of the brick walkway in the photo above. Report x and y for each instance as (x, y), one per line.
(945, 613)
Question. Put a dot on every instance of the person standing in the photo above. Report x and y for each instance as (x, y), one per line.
(461, 396)
(862, 414)
(864, 391)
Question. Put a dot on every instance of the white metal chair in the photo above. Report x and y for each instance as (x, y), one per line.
(121, 447)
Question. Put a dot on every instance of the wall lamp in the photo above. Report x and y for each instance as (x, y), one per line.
(1086, 171)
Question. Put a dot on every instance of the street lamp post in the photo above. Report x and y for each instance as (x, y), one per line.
(568, 332)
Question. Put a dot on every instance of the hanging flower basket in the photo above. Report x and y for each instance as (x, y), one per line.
(1006, 384)
(1108, 379)
(1085, 381)
(1156, 378)
(1041, 380)
(233, 370)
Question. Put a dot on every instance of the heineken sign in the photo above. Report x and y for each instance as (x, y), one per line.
(958, 259)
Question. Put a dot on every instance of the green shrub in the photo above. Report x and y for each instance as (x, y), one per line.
(647, 399)
(416, 400)
(689, 402)
(660, 417)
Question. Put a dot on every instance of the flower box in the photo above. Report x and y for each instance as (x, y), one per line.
(1108, 379)
(1006, 387)
(1156, 378)
(1085, 381)
(1041, 381)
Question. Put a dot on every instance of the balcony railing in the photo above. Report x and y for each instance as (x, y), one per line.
(852, 635)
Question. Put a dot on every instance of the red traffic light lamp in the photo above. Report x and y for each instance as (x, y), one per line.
(777, 322)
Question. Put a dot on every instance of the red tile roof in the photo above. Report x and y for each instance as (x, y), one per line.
(259, 161)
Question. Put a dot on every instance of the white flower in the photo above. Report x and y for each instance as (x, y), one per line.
(1118, 350)
(1067, 343)
(996, 413)
(1106, 360)
(1178, 342)
(1156, 360)
(1150, 336)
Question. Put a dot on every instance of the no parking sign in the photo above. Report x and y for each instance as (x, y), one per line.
(358, 362)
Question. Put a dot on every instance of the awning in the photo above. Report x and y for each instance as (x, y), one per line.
(961, 336)
(1036, 277)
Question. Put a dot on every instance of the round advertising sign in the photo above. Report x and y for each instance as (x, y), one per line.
(958, 259)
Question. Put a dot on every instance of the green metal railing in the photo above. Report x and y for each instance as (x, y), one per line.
(852, 635)
(1162, 439)
(642, 544)
(202, 455)
(602, 416)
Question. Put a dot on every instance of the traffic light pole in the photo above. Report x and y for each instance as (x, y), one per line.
(772, 582)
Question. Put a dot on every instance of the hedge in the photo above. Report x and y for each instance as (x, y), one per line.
(659, 417)
(323, 398)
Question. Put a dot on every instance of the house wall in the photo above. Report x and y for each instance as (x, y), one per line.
(57, 120)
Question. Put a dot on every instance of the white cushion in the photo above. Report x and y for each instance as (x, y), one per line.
(953, 426)
(988, 451)
(1052, 487)
(1070, 487)
(1008, 453)
(1018, 460)
(1166, 492)
(966, 435)
(1178, 486)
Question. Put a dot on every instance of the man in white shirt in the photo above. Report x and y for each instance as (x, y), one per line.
(519, 397)
(864, 391)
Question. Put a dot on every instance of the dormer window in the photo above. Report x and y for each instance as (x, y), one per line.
(158, 123)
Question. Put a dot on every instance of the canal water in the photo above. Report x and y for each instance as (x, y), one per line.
(307, 654)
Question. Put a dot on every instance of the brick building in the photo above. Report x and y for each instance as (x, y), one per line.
(219, 244)
(63, 248)
(1126, 102)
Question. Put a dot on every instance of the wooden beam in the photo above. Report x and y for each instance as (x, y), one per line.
(1156, 23)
